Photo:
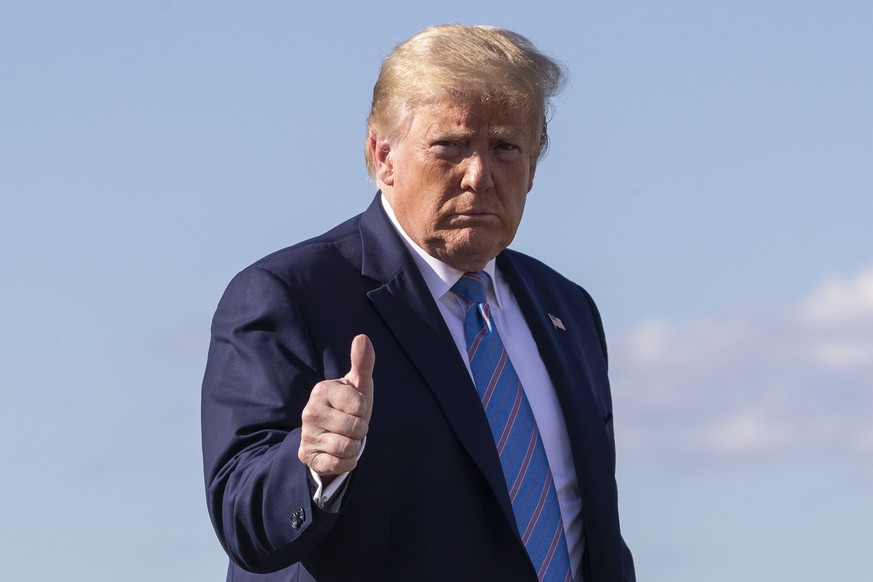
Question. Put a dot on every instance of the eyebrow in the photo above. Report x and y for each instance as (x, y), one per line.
(506, 132)
(495, 131)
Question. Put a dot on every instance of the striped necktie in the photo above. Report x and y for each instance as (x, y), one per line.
(522, 456)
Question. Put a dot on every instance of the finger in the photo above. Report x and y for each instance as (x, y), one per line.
(333, 420)
(327, 453)
(345, 398)
(326, 464)
(363, 358)
(338, 395)
(335, 445)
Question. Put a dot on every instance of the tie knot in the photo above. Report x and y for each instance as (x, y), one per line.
(473, 286)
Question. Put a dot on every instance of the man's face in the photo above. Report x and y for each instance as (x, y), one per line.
(457, 179)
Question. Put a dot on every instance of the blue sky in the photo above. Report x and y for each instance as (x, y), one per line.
(709, 182)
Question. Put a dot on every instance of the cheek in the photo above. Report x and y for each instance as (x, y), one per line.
(515, 208)
(423, 215)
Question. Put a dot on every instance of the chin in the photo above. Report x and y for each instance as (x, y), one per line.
(466, 258)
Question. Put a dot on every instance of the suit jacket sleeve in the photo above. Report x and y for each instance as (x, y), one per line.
(259, 373)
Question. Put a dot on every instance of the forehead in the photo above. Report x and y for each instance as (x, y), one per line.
(468, 117)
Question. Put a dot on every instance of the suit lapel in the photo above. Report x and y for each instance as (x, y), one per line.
(405, 304)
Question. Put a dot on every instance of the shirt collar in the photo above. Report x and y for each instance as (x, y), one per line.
(438, 276)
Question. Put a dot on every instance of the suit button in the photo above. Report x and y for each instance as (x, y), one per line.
(297, 518)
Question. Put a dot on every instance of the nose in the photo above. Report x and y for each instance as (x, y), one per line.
(477, 174)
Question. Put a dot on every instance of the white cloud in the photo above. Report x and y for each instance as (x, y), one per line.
(750, 383)
(841, 302)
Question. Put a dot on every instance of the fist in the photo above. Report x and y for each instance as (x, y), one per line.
(337, 416)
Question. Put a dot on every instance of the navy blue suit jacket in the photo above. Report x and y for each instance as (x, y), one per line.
(428, 500)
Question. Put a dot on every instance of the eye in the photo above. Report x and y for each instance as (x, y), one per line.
(505, 146)
(445, 148)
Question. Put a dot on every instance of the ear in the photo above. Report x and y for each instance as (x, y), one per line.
(383, 163)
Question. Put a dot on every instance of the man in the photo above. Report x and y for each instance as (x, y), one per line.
(402, 398)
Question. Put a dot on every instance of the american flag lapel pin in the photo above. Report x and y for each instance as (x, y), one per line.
(556, 321)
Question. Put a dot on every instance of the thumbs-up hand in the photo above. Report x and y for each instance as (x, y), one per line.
(336, 418)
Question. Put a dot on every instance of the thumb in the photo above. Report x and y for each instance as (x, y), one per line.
(363, 358)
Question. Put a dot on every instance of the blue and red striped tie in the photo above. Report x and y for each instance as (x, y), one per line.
(522, 456)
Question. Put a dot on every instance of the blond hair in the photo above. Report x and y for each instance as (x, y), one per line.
(464, 63)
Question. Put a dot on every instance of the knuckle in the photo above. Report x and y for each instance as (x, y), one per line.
(322, 463)
(320, 394)
(311, 431)
(358, 428)
(321, 387)
(347, 448)
(308, 415)
(336, 446)
(357, 404)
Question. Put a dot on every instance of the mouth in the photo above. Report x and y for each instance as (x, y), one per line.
(472, 218)
(473, 212)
